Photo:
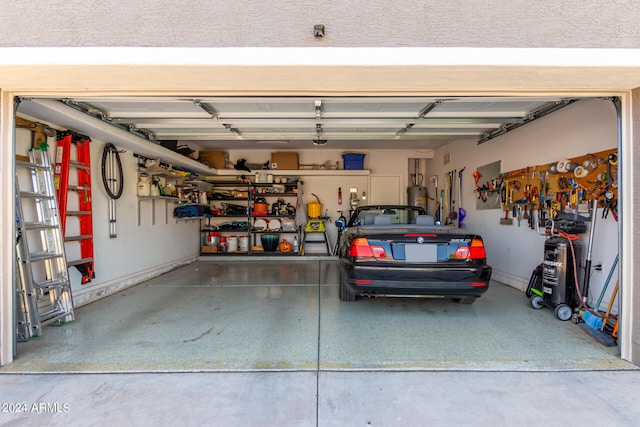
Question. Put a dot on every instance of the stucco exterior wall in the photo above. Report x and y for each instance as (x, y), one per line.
(594, 24)
(289, 23)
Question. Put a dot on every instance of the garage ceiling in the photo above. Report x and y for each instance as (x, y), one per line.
(302, 122)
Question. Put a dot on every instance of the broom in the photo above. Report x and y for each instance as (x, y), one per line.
(592, 318)
(596, 322)
(595, 325)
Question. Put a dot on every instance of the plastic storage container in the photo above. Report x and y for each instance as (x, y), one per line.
(243, 243)
(144, 185)
(353, 161)
(232, 244)
(314, 209)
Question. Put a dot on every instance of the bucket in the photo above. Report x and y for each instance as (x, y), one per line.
(232, 244)
(213, 239)
(243, 242)
(260, 207)
(314, 210)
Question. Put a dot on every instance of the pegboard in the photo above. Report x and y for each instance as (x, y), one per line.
(483, 201)
(567, 185)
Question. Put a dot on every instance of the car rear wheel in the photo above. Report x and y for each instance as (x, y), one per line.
(345, 294)
(465, 300)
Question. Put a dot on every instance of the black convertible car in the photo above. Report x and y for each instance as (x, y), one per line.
(397, 250)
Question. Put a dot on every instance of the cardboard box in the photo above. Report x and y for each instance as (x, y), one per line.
(215, 159)
(208, 249)
(285, 160)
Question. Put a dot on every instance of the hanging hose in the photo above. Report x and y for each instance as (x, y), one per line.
(113, 181)
(111, 166)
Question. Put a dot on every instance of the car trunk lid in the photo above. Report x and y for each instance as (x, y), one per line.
(434, 245)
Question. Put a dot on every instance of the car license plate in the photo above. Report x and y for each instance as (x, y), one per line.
(421, 253)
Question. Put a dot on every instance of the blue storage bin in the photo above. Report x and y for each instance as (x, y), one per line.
(353, 161)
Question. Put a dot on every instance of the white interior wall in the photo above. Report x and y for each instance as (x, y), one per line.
(512, 251)
(139, 252)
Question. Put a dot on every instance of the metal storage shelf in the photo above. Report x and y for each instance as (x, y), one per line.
(167, 199)
(168, 175)
(229, 187)
(254, 191)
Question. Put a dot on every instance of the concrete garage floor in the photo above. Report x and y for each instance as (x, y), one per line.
(267, 342)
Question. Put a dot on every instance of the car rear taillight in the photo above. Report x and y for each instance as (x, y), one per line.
(474, 251)
(360, 248)
(477, 249)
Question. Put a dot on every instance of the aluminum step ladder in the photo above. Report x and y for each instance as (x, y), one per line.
(316, 241)
(24, 303)
(43, 286)
(82, 233)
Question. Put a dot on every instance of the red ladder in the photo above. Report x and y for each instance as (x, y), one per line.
(84, 213)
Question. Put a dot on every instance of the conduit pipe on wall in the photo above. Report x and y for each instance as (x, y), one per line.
(60, 114)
